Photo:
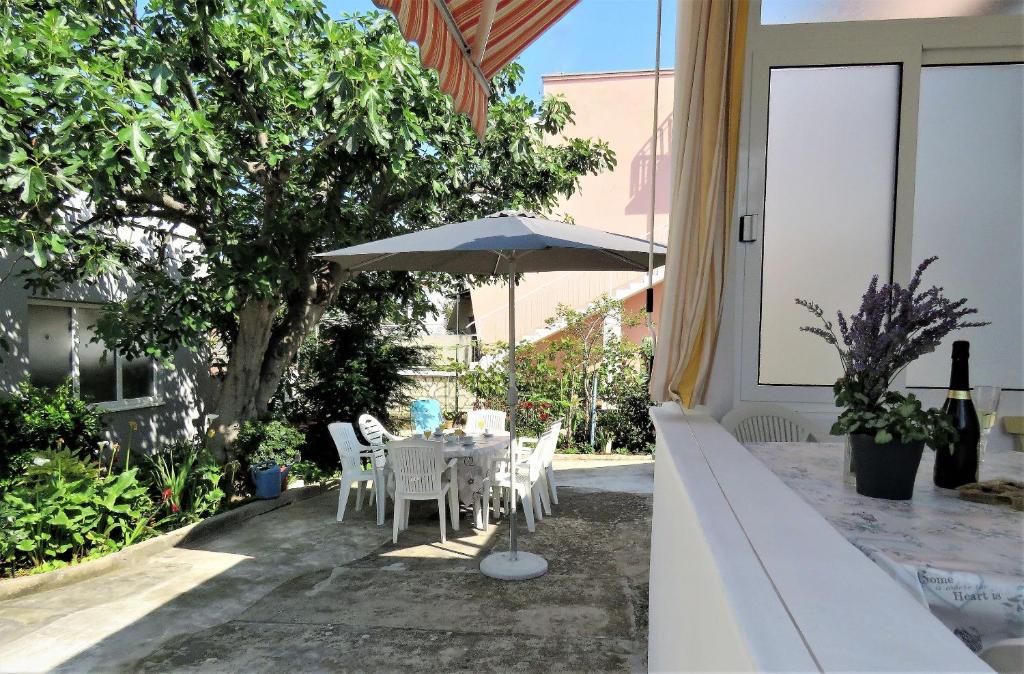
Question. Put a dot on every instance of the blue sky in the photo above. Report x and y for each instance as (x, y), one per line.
(595, 35)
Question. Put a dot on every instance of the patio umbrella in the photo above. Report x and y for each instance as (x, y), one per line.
(505, 244)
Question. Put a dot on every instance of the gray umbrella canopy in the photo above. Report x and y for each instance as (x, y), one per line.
(485, 246)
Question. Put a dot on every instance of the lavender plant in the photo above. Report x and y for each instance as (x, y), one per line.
(894, 326)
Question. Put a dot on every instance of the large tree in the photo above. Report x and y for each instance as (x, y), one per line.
(267, 132)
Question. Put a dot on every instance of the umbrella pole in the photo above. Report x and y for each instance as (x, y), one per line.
(512, 565)
(513, 403)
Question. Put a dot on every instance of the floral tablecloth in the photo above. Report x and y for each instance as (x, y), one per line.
(964, 561)
(475, 462)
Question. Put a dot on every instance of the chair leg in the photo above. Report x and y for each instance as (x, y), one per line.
(495, 502)
(453, 507)
(477, 514)
(397, 526)
(381, 503)
(440, 516)
(538, 510)
(550, 471)
(359, 495)
(343, 490)
(527, 499)
(407, 506)
(545, 496)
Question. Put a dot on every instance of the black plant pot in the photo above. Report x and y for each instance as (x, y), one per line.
(885, 471)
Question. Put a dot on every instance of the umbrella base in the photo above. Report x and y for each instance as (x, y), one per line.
(501, 566)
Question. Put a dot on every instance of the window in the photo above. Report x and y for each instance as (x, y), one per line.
(968, 210)
(866, 146)
(828, 206)
(60, 346)
(826, 11)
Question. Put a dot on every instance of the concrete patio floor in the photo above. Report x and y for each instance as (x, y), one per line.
(295, 590)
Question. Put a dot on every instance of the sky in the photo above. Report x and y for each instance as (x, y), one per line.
(596, 35)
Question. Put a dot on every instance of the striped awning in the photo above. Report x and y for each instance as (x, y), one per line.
(468, 41)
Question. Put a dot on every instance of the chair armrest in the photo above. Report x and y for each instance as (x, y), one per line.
(451, 464)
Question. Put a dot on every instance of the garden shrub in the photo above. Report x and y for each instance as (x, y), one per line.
(556, 380)
(348, 368)
(185, 483)
(35, 419)
(627, 421)
(265, 442)
(62, 510)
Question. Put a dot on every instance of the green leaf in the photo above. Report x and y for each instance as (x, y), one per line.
(882, 436)
(160, 74)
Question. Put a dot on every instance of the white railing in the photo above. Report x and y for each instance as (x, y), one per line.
(745, 576)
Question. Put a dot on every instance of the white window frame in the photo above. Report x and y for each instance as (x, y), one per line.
(909, 43)
(121, 404)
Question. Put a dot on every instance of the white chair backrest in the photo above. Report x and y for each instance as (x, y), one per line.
(348, 445)
(373, 430)
(548, 442)
(494, 420)
(417, 467)
(766, 422)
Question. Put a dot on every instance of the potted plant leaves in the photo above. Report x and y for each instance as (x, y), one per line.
(269, 448)
(888, 429)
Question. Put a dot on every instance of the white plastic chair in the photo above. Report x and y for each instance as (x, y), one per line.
(494, 420)
(374, 431)
(548, 443)
(420, 475)
(528, 483)
(766, 422)
(351, 451)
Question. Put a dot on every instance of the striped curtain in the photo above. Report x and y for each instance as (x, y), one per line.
(710, 47)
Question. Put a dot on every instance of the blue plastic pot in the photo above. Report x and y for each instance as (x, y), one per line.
(267, 480)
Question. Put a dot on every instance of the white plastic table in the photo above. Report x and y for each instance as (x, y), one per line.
(963, 560)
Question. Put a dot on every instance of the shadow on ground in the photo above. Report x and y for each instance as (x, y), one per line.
(294, 590)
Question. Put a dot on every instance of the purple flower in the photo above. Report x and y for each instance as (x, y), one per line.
(893, 327)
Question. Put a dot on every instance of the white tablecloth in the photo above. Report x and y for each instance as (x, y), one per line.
(964, 561)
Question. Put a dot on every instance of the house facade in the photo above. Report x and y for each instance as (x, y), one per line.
(49, 340)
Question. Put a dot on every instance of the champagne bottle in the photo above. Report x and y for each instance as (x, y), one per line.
(958, 465)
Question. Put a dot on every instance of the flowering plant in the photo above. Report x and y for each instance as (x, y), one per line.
(894, 326)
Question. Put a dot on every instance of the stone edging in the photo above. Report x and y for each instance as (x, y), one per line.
(16, 587)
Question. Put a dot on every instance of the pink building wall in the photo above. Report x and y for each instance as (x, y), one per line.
(616, 107)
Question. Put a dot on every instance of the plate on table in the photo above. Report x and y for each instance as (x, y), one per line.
(468, 441)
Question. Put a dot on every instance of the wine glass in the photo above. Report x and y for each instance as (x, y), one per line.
(986, 403)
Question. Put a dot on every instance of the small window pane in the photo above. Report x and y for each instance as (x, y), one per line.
(968, 210)
(826, 11)
(137, 377)
(97, 370)
(49, 345)
(828, 211)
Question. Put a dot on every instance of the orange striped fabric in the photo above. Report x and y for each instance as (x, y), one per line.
(516, 24)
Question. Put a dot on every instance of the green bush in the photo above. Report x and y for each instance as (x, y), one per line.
(265, 442)
(628, 420)
(348, 368)
(61, 510)
(35, 419)
(185, 483)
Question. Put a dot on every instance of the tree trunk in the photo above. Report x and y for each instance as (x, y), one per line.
(236, 398)
(263, 351)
